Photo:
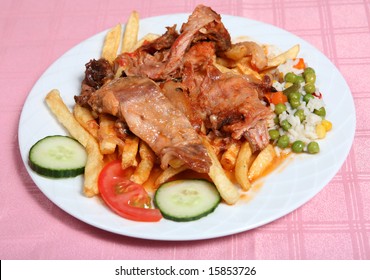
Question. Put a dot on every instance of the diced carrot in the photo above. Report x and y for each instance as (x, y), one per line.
(267, 96)
(300, 64)
(278, 97)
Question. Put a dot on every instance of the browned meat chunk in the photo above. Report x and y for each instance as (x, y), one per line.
(163, 58)
(225, 102)
(97, 73)
(154, 119)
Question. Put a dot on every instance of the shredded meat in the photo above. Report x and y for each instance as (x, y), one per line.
(154, 119)
(163, 63)
(225, 102)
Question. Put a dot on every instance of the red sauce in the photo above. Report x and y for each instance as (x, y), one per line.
(276, 163)
(276, 166)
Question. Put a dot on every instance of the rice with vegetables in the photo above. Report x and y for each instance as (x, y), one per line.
(299, 118)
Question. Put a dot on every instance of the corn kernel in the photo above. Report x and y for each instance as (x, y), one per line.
(327, 124)
(287, 84)
(320, 131)
(281, 77)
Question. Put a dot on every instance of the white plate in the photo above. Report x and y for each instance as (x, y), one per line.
(283, 190)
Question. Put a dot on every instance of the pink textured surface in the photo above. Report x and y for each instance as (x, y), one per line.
(335, 224)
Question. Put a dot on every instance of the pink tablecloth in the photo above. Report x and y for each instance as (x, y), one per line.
(335, 224)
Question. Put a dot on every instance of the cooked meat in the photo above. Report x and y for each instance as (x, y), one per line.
(205, 25)
(154, 119)
(97, 73)
(163, 42)
(163, 63)
(147, 60)
(225, 102)
(258, 136)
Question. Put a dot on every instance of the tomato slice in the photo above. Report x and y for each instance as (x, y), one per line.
(126, 198)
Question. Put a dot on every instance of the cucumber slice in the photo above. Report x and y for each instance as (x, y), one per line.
(186, 200)
(57, 156)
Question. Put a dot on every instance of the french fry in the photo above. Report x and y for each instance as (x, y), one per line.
(228, 191)
(107, 136)
(131, 31)
(110, 157)
(111, 43)
(129, 152)
(86, 119)
(129, 39)
(228, 158)
(225, 69)
(94, 161)
(94, 164)
(142, 171)
(263, 160)
(167, 174)
(246, 70)
(283, 57)
(147, 38)
(241, 166)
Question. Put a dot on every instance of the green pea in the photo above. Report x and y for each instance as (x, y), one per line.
(276, 120)
(299, 79)
(280, 108)
(285, 125)
(290, 77)
(295, 103)
(294, 95)
(308, 70)
(298, 146)
(294, 87)
(283, 141)
(313, 147)
(300, 114)
(320, 112)
(307, 97)
(274, 134)
(309, 88)
(310, 78)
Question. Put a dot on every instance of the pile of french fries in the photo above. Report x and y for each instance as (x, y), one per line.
(98, 135)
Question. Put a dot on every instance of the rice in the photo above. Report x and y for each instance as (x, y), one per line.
(315, 104)
(288, 67)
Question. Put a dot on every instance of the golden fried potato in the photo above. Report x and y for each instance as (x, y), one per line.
(283, 57)
(263, 160)
(241, 166)
(107, 136)
(111, 43)
(228, 158)
(131, 32)
(168, 173)
(86, 119)
(129, 39)
(245, 69)
(142, 171)
(94, 161)
(228, 191)
(129, 152)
